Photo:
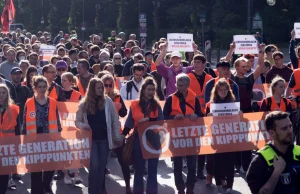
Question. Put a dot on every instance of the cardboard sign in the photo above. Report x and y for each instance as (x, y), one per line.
(206, 135)
(245, 44)
(180, 42)
(297, 30)
(222, 109)
(47, 51)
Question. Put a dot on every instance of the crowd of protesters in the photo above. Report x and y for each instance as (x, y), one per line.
(101, 74)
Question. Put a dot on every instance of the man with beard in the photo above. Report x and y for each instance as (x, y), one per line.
(94, 59)
(276, 167)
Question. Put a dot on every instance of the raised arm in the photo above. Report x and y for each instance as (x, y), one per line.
(293, 56)
(230, 52)
(260, 64)
(163, 51)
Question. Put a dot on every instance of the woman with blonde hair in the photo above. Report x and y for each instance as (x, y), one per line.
(277, 102)
(68, 82)
(41, 116)
(222, 170)
(97, 113)
(10, 124)
(114, 94)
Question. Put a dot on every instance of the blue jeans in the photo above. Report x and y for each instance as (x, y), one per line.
(139, 166)
(191, 175)
(98, 160)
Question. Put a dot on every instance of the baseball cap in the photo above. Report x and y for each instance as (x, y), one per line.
(66, 35)
(15, 70)
(176, 54)
(61, 64)
(122, 34)
(223, 64)
(127, 50)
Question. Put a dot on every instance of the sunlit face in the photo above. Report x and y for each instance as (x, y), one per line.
(33, 60)
(109, 68)
(11, 56)
(199, 65)
(50, 74)
(16, 77)
(104, 57)
(182, 86)
(176, 61)
(278, 61)
(41, 88)
(80, 69)
(222, 91)
(242, 67)
(117, 59)
(138, 75)
(283, 132)
(3, 95)
(65, 83)
(279, 88)
(108, 85)
(99, 89)
(60, 71)
(223, 72)
(135, 51)
(149, 92)
(24, 67)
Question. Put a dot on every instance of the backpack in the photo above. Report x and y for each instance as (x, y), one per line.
(129, 86)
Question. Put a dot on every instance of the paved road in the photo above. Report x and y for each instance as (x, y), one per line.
(116, 185)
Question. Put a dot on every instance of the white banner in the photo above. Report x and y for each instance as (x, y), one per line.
(245, 44)
(47, 50)
(221, 109)
(297, 30)
(180, 42)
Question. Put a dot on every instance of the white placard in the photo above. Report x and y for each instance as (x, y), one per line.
(221, 109)
(47, 50)
(297, 30)
(180, 42)
(245, 44)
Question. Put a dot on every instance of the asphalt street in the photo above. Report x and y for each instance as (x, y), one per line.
(116, 185)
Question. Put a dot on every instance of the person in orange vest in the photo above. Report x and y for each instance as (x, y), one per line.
(110, 68)
(84, 76)
(114, 94)
(96, 113)
(9, 124)
(221, 165)
(149, 60)
(146, 108)
(54, 90)
(276, 102)
(68, 81)
(41, 116)
(179, 105)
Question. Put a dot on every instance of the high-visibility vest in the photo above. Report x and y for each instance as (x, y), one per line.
(53, 93)
(81, 90)
(189, 106)
(268, 154)
(118, 83)
(195, 87)
(297, 81)
(153, 66)
(9, 121)
(137, 113)
(272, 104)
(31, 127)
(75, 96)
(117, 103)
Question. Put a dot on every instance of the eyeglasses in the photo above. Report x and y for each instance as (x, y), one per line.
(61, 69)
(108, 85)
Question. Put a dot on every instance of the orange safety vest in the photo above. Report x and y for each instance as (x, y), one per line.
(9, 121)
(137, 113)
(195, 87)
(118, 84)
(75, 96)
(153, 66)
(189, 107)
(53, 94)
(31, 116)
(297, 81)
(274, 105)
(81, 90)
(117, 103)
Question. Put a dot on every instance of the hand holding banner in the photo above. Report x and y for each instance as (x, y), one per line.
(222, 109)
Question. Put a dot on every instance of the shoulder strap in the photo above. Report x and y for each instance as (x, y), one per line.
(269, 101)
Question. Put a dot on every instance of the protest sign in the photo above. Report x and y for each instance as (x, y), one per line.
(245, 44)
(67, 113)
(180, 42)
(206, 135)
(297, 30)
(49, 151)
(221, 109)
(47, 51)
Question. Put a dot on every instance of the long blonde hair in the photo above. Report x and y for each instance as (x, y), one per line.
(114, 92)
(38, 79)
(214, 93)
(8, 102)
(92, 102)
(274, 83)
(73, 79)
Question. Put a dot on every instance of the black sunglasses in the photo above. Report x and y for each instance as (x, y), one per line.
(108, 85)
